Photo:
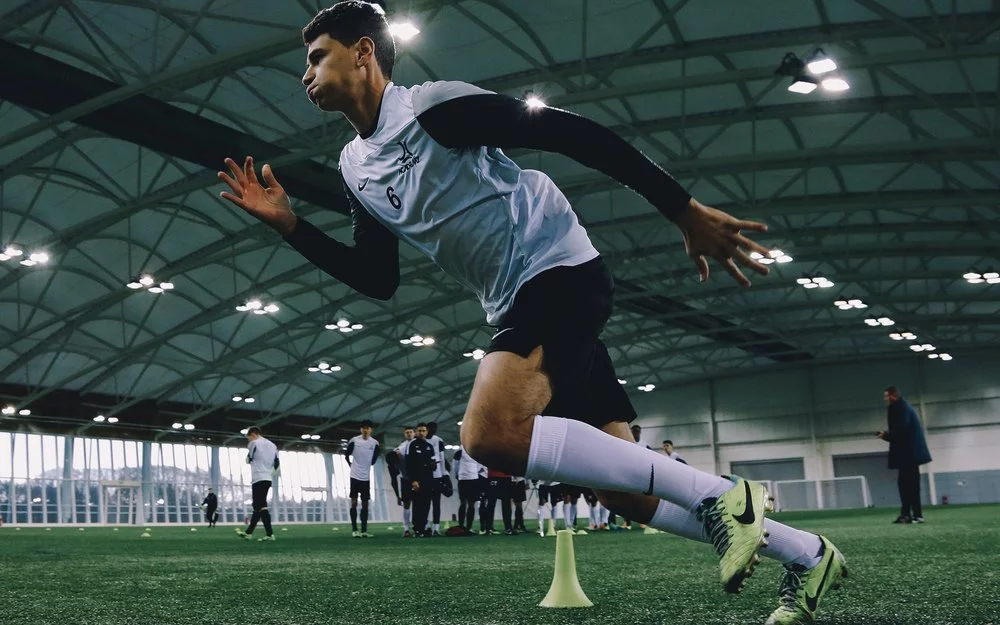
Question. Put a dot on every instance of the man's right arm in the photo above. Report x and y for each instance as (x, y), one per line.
(370, 267)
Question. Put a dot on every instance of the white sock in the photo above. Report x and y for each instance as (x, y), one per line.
(406, 520)
(785, 544)
(564, 450)
(571, 515)
(594, 515)
(437, 527)
(558, 512)
(605, 515)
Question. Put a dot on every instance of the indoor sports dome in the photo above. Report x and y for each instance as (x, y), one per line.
(499, 306)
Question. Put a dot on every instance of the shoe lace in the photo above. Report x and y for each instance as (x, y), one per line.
(710, 514)
(791, 582)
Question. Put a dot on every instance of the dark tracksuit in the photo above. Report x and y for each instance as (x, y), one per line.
(420, 463)
(907, 451)
(211, 505)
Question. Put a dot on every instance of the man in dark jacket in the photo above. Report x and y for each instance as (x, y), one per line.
(421, 459)
(907, 451)
(210, 504)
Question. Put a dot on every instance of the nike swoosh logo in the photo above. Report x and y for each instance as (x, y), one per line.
(748, 516)
(361, 186)
(499, 333)
(813, 601)
(649, 491)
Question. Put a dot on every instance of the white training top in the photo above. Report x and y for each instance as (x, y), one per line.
(438, 445)
(486, 222)
(468, 467)
(262, 453)
(402, 449)
(361, 457)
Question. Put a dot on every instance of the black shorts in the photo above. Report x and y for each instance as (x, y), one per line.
(405, 489)
(571, 492)
(361, 488)
(564, 310)
(470, 490)
(519, 491)
(499, 488)
(552, 493)
(259, 490)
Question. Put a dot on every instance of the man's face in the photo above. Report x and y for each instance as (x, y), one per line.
(366, 431)
(333, 73)
(408, 434)
(252, 436)
(889, 398)
(421, 432)
(668, 448)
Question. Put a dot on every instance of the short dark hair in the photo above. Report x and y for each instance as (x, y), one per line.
(668, 442)
(347, 22)
(254, 430)
(367, 424)
(409, 427)
(892, 390)
(421, 425)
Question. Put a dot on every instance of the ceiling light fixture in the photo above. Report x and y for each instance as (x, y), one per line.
(533, 100)
(258, 307)
(476, 354)
(814, 282)
(647, 387)
(403, 30)
(418, 341)
(848, 304)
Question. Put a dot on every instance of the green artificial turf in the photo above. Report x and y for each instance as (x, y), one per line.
(943, 572)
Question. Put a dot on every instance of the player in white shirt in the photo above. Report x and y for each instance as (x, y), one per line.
(262, 456)
(440, 471)
(470, 487)
(361, 453)
(405, 485)
(427, 168)
(670, 452)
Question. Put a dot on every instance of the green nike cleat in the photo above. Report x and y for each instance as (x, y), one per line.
(355, 534)
(734, 522)
(267, 539)
(801, 588)
(242, 534)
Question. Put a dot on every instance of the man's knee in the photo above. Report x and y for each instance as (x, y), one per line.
(499, 440)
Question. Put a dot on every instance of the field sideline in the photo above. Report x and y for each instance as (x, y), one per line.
(944, 572)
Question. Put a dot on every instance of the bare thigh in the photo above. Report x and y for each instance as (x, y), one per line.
(508, 393)
(629, 505)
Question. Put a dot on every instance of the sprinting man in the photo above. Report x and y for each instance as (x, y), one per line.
(427, 168)
(361, 453)
(262, 456)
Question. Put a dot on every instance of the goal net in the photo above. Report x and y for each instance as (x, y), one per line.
(830, 494)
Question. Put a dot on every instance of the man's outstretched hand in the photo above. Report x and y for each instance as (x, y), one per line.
(711, 233)
(269, 204)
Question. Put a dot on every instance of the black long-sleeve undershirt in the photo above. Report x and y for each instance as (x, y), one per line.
(370, 267)
(502, 121)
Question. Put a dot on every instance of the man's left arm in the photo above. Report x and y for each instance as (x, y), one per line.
(458, 115)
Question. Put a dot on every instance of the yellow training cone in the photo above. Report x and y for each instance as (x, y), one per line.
(565, 591)
(550, 526)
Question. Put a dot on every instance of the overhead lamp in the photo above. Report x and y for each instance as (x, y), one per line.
(314, 437)
(803, 84)
(11, 250)
(926, 347)
(304, 437)
(189, 426)
(622, 382)
(459, 422)
(403, 30)
(343, 325)
(773, 256)
(647, 387)
(533, 100)
(244, 431)
(9, 410)
(476, 354)
(248, 400)
(99, 418)
(35, 258)
(815, 282)
(24, 412)
(177, 426)
(237, 398)
(848, 304)
(819, 63)
(903, 336)
(418, 341)
(258, 307)
(879, 321)
(946, 357)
